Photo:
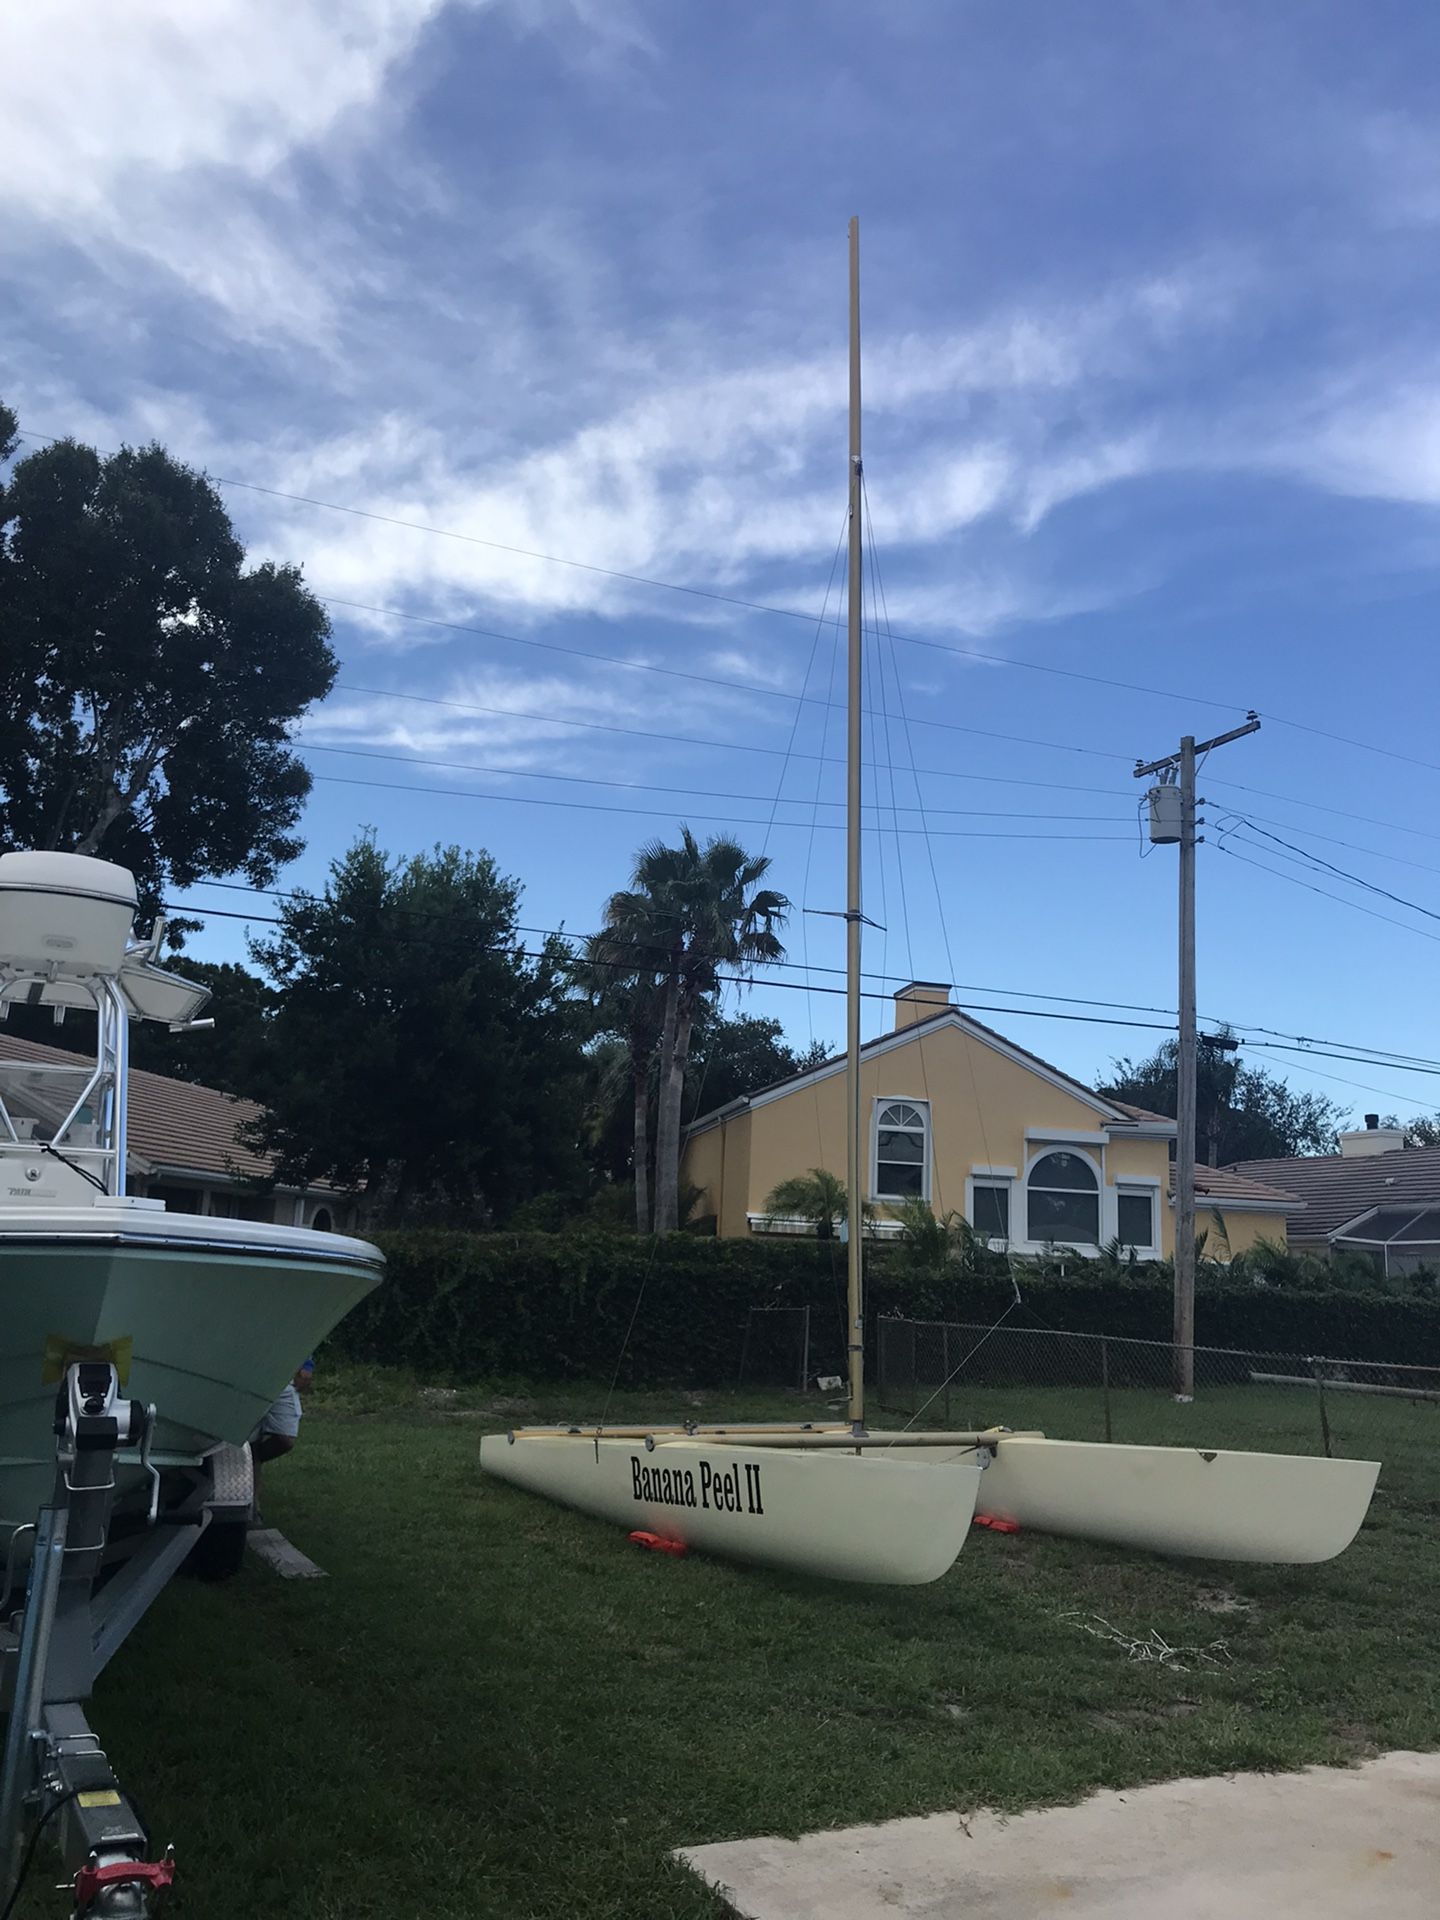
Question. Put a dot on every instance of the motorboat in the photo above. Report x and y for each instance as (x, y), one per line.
(205, 1319)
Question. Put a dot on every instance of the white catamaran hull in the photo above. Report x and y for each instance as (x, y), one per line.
(1286, 1509)
(884, 1522)
(208, 1319)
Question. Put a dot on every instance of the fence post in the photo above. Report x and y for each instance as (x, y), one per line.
(805, 1354)
(1324, 1411)
(744, 1349)
(1105, 1383)
(945, 1364)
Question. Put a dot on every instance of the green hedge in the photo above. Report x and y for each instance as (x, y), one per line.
(558, 1306)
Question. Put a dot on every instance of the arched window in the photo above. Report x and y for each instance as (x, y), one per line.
(320, 1220)
(902, 1156)
(1064, 1200)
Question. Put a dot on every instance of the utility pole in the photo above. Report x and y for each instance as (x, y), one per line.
(1172, 820)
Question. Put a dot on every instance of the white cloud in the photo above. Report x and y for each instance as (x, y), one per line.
(726, 478)
(162, 131)
(108, 99)
(494, 714)
(1377, 437)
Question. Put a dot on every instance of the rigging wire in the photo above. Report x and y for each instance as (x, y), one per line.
(906, 738)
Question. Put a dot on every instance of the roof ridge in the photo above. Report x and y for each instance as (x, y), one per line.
(963, 1019)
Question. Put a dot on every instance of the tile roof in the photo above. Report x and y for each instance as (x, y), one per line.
(173, 1124)
(1224, 1183)
(1335, 1189)
(1142, 1113)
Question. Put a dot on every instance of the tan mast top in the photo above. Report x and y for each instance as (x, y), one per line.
(855, 1299)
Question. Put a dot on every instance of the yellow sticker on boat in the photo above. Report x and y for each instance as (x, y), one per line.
(106, 1797)
(61, 1354)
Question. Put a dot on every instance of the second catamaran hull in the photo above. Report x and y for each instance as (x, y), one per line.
(839, 1516)
(1284, 1509)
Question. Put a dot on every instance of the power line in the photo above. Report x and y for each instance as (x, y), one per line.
(747, 605)
(768, 608)
(1330, 840)
(937, 773)
(698, 740)
(668, 813)
(1317, 860)
(1278, 873)
(711, 680)
(1355, 1053)
(1319, 1053)
(736, 979)
(1317, 806)
(640, 786)
(784, 966)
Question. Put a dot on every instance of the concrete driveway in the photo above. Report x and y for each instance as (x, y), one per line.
(1326, 1844)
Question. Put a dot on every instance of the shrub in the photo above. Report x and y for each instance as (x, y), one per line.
(557, 1306)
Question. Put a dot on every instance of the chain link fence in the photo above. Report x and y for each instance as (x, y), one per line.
(1084, 1386)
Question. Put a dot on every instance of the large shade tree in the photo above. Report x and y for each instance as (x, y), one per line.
(691, 913)
(738, 1054)
(418, 1054)
(1241, 1112)
(148, 679)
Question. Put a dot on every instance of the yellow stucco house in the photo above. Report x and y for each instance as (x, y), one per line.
(965, 1119)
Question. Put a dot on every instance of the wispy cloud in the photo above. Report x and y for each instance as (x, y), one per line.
(158, 134)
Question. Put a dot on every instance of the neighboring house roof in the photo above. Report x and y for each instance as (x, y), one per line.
(173, 1126)
(1221, 1184)
(1128, 1118)
(1334, 1189)
(1143, 1113)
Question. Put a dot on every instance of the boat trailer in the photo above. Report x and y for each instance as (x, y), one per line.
(92, 1576)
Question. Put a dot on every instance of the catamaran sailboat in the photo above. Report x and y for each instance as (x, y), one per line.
(206, 1318)
(895, 1508)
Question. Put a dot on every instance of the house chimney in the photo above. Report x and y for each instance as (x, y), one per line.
(1374, 1139)
(921, 1000)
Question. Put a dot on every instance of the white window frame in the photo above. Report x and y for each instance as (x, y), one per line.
(1137, 1185)
(1044, 1149)
(998, 1178)
(922, 1107)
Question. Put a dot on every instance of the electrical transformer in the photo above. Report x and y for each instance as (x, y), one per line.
(1164, 815)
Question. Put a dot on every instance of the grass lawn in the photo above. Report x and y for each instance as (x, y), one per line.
(496, 1708)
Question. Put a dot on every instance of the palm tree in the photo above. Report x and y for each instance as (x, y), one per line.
(689, 911)
(622, 981)
(816, 1195)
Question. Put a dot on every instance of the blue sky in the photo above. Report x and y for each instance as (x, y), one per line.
(1152, 396)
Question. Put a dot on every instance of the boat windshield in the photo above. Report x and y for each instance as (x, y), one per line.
(35, 1100)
